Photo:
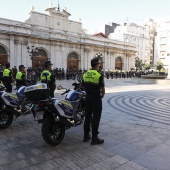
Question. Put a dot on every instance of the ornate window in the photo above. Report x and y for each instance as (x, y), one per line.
(41, 53)
(118, 60)
(73, 56)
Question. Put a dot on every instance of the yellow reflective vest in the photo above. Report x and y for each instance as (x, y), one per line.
(19, 75)
(6, 73)
(45, 75)
(91, 76)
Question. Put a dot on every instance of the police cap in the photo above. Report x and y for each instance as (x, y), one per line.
(47, 63)
(21, 66)
(95, 61)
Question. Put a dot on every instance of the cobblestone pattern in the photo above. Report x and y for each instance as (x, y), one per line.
(131, 143)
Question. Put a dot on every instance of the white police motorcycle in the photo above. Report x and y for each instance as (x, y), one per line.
(11, 105)
(56, 115)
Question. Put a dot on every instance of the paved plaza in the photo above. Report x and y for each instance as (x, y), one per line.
(135, 125)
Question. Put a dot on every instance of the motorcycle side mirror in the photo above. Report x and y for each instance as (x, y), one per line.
(74, 84)
(59, 87)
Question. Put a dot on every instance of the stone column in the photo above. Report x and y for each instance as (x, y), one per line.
(12, 51)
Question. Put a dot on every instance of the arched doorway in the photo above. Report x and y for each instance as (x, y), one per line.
(72, 61)
(40, 58)
(118, 63)
(3, 56)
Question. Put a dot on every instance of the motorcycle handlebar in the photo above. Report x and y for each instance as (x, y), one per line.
(65, 92)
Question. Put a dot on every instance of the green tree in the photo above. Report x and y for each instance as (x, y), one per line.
(159, 65)
(147, 66)
(138, 63)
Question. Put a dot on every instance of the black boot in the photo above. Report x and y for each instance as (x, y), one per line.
(87, 137)
(96, 141)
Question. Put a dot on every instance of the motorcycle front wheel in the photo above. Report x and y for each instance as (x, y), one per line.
(52, 132)
(6, 119)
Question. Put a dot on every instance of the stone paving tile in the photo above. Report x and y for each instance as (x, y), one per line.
(120, 160)
(163, 150)
(94, 159)
(6, 160)
(22, 146)
(126, 167)
(15, 165)
(43, 166)
(153, 161)
(125, 150)
(68, 167)
(98, 167)
(109, 164)
(144, 122)
(89, 168)
(160, 125)
(28, 162)
(147, 142)
(55, 162)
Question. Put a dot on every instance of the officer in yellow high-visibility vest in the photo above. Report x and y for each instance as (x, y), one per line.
(8, 78)
(48, 77)
(21, 77)
(93, 83)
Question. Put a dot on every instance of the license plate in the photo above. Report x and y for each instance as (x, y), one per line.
(39, 115)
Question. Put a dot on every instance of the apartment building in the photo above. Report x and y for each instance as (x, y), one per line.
(150, 26)
(162, 42)
(138, 35)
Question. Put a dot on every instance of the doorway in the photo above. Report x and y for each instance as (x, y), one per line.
(118, 63)
(40, 58)
(72, 62)
(3, 56)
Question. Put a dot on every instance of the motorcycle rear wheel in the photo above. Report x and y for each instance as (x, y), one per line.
(52, 132)
(6, 119)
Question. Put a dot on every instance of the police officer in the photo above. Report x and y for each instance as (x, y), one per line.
(48, 77)
(93, 84)
(8, 78)
(21, 77)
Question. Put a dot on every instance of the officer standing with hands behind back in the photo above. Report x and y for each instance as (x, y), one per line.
(48, 77)
(93, 83)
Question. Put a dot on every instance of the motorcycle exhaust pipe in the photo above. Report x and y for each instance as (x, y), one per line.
(13, 111)
(63, 121)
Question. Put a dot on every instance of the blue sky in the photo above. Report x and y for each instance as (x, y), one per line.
(94, 14)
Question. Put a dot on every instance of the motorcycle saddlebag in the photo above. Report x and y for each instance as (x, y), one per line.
(37, 92)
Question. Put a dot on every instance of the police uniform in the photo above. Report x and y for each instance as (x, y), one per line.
(20, 78)
(93, 82)
(8, 78)
(49, 78)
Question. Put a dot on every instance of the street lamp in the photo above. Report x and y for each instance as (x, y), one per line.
(100, 57)
(32, 51)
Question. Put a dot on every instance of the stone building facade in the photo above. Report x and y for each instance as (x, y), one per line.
(60, 40)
